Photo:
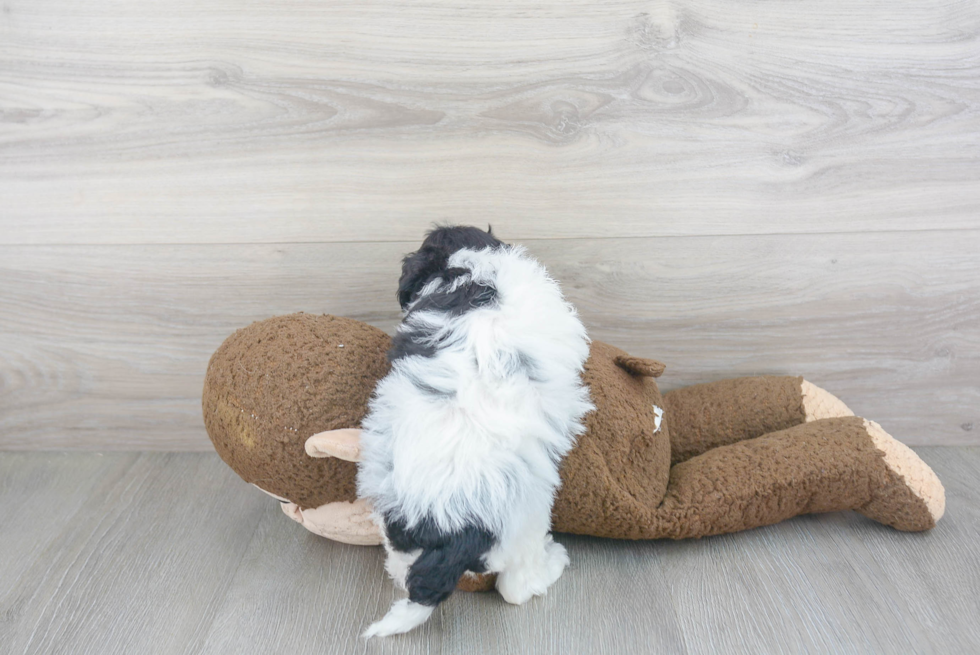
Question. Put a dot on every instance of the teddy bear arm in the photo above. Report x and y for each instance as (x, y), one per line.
(707, 416)
(826, 465)
(349, 523)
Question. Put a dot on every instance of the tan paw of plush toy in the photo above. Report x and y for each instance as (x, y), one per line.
(283, 399)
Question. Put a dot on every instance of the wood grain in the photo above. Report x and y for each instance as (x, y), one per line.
(140, 565)
(172, 553)
(229, 122)
(40, 497)
(106, 346)
(305, 594)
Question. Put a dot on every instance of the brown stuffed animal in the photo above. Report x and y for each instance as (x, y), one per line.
(283, 399)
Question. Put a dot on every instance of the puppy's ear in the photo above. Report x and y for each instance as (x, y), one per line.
(417, 269)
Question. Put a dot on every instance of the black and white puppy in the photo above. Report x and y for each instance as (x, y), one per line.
(461, 447)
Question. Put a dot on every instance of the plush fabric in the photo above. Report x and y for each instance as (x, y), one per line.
(704, 460)
(273, 384)
(706, 416)
(622, 460)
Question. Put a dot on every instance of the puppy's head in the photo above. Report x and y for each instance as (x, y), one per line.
(431, 260)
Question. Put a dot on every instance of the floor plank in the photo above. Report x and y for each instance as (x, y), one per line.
(40, 497)
(196, 122)
(139, 566)
(106, 346)
(171, 553)
(303, 594)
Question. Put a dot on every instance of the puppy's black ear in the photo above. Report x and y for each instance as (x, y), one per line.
(417, 270)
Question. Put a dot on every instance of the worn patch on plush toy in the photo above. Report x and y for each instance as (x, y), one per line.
(231, 414)
(658, 416)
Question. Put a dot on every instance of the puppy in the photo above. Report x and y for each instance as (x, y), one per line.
(464, 436)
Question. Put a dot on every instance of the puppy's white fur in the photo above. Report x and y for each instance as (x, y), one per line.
(402, 617)
(501, 404)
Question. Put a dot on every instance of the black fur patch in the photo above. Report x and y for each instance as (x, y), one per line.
(418, 341)
(467, 296)
(429, 262)
(444, 558)
(431, 390)
(409, 344)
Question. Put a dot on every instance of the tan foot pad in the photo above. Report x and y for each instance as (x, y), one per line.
(819, 404)
(915, 499)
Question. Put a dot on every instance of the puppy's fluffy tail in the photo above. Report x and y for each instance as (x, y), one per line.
(402, 617)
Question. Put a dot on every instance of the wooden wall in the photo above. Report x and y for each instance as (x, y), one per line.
(731, 187)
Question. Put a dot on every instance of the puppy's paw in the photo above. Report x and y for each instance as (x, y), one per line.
(402, 617)
(513, 587)
(519, 584)
(557, 558)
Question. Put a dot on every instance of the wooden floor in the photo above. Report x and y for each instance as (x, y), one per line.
(171, 553)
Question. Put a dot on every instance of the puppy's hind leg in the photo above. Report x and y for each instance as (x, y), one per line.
(402, 617)
(529, 564)
(433, 576)
(398, 564)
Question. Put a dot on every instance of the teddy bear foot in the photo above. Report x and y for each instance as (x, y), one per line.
(819, 403)
(913, 498)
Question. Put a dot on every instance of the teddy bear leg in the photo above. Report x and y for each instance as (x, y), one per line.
(822, 466)
(706, 416)
(914, 498)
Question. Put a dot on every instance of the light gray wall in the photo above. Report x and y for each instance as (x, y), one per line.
(730, 187)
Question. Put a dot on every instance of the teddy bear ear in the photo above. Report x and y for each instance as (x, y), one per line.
(649, 368)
